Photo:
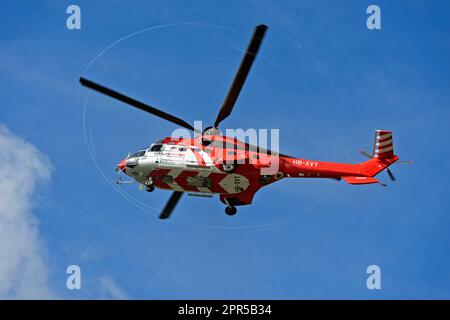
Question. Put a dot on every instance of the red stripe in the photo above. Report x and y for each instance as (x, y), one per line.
(215, 180)
(181, 180)
(157, 181)
(158, 172)
(384, 140)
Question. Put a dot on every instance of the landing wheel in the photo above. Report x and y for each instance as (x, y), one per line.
(149, 188)
(231, 211)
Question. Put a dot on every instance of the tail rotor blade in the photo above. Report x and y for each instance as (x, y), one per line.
(404, 162)
(391, 175)
(171, 204)
(366, 154)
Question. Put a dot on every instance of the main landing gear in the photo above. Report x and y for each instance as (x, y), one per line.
(231, 211)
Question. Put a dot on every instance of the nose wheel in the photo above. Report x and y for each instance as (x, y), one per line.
(231, 211)
(149, 186)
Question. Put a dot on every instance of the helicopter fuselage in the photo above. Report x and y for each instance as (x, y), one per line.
(209, 165)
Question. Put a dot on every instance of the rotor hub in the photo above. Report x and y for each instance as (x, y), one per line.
(212, 131)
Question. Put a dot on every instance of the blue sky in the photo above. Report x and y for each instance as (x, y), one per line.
(323, 79)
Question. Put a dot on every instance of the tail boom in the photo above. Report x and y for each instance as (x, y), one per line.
(361, 173)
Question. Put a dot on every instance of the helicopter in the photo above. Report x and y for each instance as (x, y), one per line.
(211, 164)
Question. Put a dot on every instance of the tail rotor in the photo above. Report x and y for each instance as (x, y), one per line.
(391, 175)
(383, 149)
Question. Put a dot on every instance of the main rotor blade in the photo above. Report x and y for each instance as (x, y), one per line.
(241, 75)
(170, 205)
(391, 175)
(366, 154)
(135, 103)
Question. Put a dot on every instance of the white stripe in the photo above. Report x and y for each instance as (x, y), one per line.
(209, 163)
(384, 150)
(381, 144)
(193, 157)
(206, 158)
(384, 136)
(174, 173)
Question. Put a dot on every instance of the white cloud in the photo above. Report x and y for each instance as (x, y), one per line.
(23, 270)
(110, 290)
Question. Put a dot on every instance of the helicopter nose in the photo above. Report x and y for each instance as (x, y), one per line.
(121, 165)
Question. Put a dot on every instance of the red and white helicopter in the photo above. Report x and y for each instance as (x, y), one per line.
(211, 163)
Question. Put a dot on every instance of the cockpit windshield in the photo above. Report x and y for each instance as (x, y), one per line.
(137, 154)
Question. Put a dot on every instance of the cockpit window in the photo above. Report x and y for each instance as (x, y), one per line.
(137, 154)
(156, 147)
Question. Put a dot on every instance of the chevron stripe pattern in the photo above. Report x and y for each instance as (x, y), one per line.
(383, 146)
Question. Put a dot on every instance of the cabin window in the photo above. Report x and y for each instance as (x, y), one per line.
(156, 148)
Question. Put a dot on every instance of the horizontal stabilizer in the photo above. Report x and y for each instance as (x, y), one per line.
(360, 180)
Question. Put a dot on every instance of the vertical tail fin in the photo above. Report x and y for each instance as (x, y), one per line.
(382, 154)
(383, 147)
